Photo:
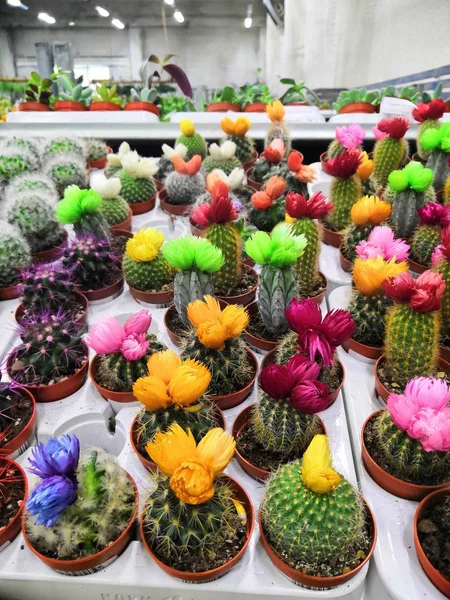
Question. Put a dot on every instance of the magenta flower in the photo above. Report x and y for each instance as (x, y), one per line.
(310, 397)
(138, 323)
(301, 368)
(402, 409)
(276, 381)
(432, 429)
(351, 136)
(108, 336)
(105, 336)
(381, 242)
(423, 294)
(135, 346)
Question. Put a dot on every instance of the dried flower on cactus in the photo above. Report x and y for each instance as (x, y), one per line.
(273, 190)
(107, 335)
(370, 210)
(442, 251)
(299, 207)
(344, 165)
(179, 150)
(138, 167)
(279, 249)
(378, 134)
(275, 111)
(274, 153)
(302, 172)
(414, 176)
(369, 274)
(434, 214)
(395, 128)
(238, 128)
(365, 169)
(423, 294)
(317, 472)
(190, 167)
(82, 209)
(59, 456)
(382, 242)
(220, 210)
(145, 244)
(432, 111)
(351, 136)
(234, 180)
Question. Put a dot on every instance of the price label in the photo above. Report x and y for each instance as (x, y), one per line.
(396, 107)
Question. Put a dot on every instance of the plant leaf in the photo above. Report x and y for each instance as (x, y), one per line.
(167, 58)
(287, 81)
(154, 59)
(180, 77)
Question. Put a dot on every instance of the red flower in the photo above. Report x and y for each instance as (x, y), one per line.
(295, 161)
(395, 127)
(275, 152)
(432, 111)
(221, 209)
(423, 294)
(310, 397)
(276, 381)
(202, 215)
(317, 207)
(434, 214)
(344, 165)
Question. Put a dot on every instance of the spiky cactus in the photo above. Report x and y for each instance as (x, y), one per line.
(65, 170)
(236, 132)
(144, 265)
(351, 136)
(15, 254)
(278, 129)
(408, 190)
(196, 259)
(269, 162)
(268, 205)
(35, 183)
(15, 161)
(186, 183)
(165, 164)
(114, 161)
(345, 188)
(29, 144)
(95, 150)
(112, 206)
(390, 149)
(441, 265)
(437, 143)
(433, 218)
(64, 145)
(428, 116)
(46, 287)
(222, 157)
(193, 141)
(295, 173)
(447, 191)
(81, 208)
(136, 178)
(92, 263)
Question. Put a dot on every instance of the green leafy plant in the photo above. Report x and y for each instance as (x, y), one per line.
(175, 72)
(406, 93)
(427, 97)
(144, 95)
(347, 97)
(226, 94)
(171, 103)
(298, 92)
(38, 90)
(74, 90)
(107, 94)
(254, 92)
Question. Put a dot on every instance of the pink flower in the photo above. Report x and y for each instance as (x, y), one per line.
(423, 294)
(275, 152)
(432, 429)
(135, 346)
(381, 242)
(434, 214)
(138, 323)
(310, 397)
(443, 250)
(105, 336)
(351, 136)
(402, 409)
(276, 381)
(301, 368)
(379, 135)
(428, 392)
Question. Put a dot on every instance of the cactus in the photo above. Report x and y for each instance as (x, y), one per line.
(278, 129)
(391, 149)
(186, 182)
(92, 263)
(64, 145)
(51, 349)
(114, 161)
(15, 254)
(364, 172)
(65, 170)
(345, 188)
(236, 132)
(196, 259)
(113, 207)
(441, 264)
(144, 265)
(351, 136)
(222, 157)
(437, 143)
(269, 161)
(314, 517)
(433, 217)
(276, 254)
(165, 164)
(29, 144)
(193, 141)
(428, 116)
(35, 183)
(268, 205)
(81, 208)
(136, 178)
(447, 190)
(295, 173)
(95, 150)
(15, 161)
(46, 287)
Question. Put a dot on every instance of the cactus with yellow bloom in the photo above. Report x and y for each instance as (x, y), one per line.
(144, 265)
(192, 512)
(313, 517)
(217, 344)
(278, 129)
(193, 141)
(364, 172)
(236, 132)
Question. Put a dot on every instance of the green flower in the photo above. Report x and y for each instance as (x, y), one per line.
(421, 179)
(76, 203)
(398, 180)
(193, 253)
(280, 249)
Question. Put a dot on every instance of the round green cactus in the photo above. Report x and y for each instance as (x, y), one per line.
(15, 254)
(15, 161)
(193, 141)
(144, 266)
(135, 190)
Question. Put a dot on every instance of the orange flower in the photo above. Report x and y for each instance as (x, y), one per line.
(370, 210)
(187, 168)
(306, 174)
(365, 169)
(239, 128)
(275, 187)
(213, 325)
(295, 160)
(369, 274)
(261, 200)
(275, 111)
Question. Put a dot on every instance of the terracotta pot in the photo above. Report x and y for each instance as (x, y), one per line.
(323, 159)
(21, 442)
(69, 106)
(256, 107)
(231, 400)
(368, 351)
(357, 107)
(125, 225)
(269, 359)
(141, 105)
(310, 581)
(195, 230)
(143, 207)
(250, 163)
(12, 529)
(319, 297)
(95, 562)
(106, 292)
(331, 238)
(159, 184)
(52, 254)
(102, 106)
(178, 210)
(442, 584)
(204, 576)
(242, 299)
(444, 352)
(56, 391)
(346, 264)
(251, 183)
(160, 298)
(81, 320)
(123, 397)
(383, 393)
(34, 107)
(416, 267)
(10, 292)
(101, 162)
(117, 231)
(393, 485)
(253, 340)
(146, 462)
(223, 107)
(298, 104)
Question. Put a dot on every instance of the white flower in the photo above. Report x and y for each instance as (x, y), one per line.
(233, 180)
(223, 152)
(107, 188)
(114, 160)
(215, 152)
(180, 150)
(146, 168)
(124, 148)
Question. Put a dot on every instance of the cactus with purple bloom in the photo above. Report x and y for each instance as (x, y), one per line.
(46, 287)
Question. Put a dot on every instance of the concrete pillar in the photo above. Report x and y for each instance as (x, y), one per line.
(62, 56)
(7, 65)
(44, 57)
(273, 56)
(136, 51)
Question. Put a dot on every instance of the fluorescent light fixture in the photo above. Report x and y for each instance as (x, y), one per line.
(14, 2)
(47, 18)
(169, 2)
(248, 22)
(118, 23)
(72, 23)
(102, 11)
(178, 16)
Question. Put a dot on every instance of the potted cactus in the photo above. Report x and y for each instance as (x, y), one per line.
(440, 261)
(63, 145)
(216, 342)
(221, 157)
(13, 491)
(302, 214)
(406, 447)
(66, 169)
(224, 100)
(171, 391)
(38, 94)
(347, 137)
(411, 346)
(296, 174)
(365, 173)
(26, 143)
(122, 354)
(17, 420)
(106, 98)
(147, 273)
(182, 186)
(16, 161)
(15, 256)
(113, 207)
(51, 360)
(356, 101)
(391, 148)
(97, 152)
(428, 116)
(268, 205)
(144, 100)
(267, 163)
(293, 537)
(276, 254)
(193, 141)
(165, 164)
(195, 260)
(74, 96)
(437, 143)
(254, 97)
(81, 208)
(88, 488)
(433, 217)
(114, 161)
(236, 132)
(278, 129)
(138, 185)
(36, 183)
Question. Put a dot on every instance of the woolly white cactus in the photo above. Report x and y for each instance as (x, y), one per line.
(138, 167)
(66, 169)
(226, 150)
(222, 157)
(64, 145)
(35, 183)
(15, 254)
(14, 161)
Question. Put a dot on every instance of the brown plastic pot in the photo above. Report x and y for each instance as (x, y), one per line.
(12, 529)
(34, 107)
(101, 162)
(319, 297)
(102, 106)
(250, 163)
(178, 210)
(81, 320)
(368, 351)
(357, 107)
(159, 184)
(442, 584)
(256, 107)
(160, 298)
(251, 182)
(117, 231)
(393, 485)
(69, 106)
(105, 292)
(252, 340)
(204, 576)
(10, 292)
(197, 230)
(231, 400)
(141, 105)
(416, 267)
(20, 443)
(346, 264)
(52, 254)
(143, 207)
(310, 581)
(223, 107)
(125, 225)
(323, 159)
(331, 238)
(383, 392)
(241, 299)
(123, 397)
(95, 562)
(444, 352)
(56, 391)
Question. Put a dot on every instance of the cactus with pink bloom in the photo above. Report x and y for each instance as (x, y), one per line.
(351, 136)
(123, 350)
(382, 242)
(441, 264)
(433, 218)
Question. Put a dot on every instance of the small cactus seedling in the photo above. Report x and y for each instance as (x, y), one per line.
(222, 157)
(15, 254)
(113, 207)
(236, 132)
(437, 143)
(165, 164)
(433, 218)
(441, 264)
(270, 160)
(64, 145)
(144, 265)
(345, 187)
(278, 129)
(66, 169)
(114, 161)
(391, 148)
(268, 205)
(81, 208)
(186, 183)
(428, 116)
(347, 137)
(193, 141)
(95, 150)
(136, 178)
(92, 263)
(15, 161)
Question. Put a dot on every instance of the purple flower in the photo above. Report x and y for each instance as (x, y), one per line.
(51, 498)
(58, 457)
(351, 136)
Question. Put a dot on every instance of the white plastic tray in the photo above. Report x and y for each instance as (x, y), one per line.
(294, 114)
(119, 117)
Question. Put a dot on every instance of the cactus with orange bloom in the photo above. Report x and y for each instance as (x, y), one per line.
(278, 129)
(186, 182)
(268, 205)
(269, 161)
(364, 172)
(236, 132)
(296, 174)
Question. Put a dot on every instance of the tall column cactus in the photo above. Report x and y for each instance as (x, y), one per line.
(278, 130)
(391, 148)
(236, 132)
(433, 217)
(302, 215)
(441, 264)
(81, 208)
(347, 137)
(278, 286)
(345, 187)
(437, 143)
(428, 116)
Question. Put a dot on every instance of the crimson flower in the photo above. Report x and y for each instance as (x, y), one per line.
(423, 294)
(317, 336)
(434, 214)
(310, 397)
(432, 111)
(395, 127)
(317, 207)
(443, 250)
(295, 161)
(344, 165)
(220, 210)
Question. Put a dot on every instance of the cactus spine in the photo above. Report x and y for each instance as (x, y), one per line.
(193, 141)
(92, 263)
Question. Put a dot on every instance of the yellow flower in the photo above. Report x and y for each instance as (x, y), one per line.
(187, 127)
(151, 392)
(193, 483)
(189, 382)
(216, 450)
(163, 365)
(369, 274)
(365, 169)
(275, 111)
(238, 128)
(370, 210)
(317, 472)
(214, 326)
(145, 244)
(170, 449)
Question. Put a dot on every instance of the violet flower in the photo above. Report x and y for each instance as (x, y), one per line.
(310, 397)
(51, 498)
(59, 456)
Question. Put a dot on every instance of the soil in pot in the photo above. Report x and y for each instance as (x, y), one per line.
(320, 288)
(388, 380)
(175, 324)
(12, 488)
(247, 282)
(16, 410)
(433, 529)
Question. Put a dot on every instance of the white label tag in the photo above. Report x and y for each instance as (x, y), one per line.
(396, 107)
(302, 114)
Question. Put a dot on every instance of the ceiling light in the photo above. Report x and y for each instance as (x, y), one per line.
(71, 23)
(117, 23)
(178, 16)
(14, 2)
(47, 18)
(248, 22)
(169, 2)
(102, 11)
